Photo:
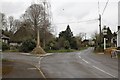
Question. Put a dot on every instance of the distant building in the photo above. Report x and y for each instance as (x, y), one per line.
(4, 38)
(118, 37)
(91, 42)
(85, 42)
(114, 39)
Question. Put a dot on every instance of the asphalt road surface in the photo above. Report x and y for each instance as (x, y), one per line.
(84, 64)
(25, 66)
(21, 70)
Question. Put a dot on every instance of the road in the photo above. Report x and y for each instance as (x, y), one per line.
(21, 70)
(84, 64)
(25, 66)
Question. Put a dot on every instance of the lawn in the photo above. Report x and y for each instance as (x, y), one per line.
(64, 50)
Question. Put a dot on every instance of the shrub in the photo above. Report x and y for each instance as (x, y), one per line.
(27, 45)
(66, 44)
(5, 46)
(98, 48)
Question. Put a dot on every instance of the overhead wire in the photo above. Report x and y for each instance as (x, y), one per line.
(105, 7)
(78, 21)
(98, 7)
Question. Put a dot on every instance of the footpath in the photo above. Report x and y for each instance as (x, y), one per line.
(14, 69)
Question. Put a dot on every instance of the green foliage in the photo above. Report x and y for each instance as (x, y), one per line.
(27, 45)
(99, 48)
(5, 46)
(66, 44)
(66, 39)
(109, 35)
(73, 43)
(67, 34)
(61, 51)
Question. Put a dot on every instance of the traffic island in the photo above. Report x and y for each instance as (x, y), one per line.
(38, 50)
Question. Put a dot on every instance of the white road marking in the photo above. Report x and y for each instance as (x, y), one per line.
(31, 68)
(79, 56)
(39, 62)
(104, 71)
(25, 53)
(85, 61)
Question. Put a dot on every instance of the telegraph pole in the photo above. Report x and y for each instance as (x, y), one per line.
(100, 28)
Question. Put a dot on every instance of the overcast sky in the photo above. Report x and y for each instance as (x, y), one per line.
(66, 11)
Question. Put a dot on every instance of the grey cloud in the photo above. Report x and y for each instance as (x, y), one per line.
(10, 8)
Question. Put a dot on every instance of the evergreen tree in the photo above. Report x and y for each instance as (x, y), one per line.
(69, 40)
(109, 35)
(67, 34)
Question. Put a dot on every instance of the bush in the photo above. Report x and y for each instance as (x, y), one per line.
(27, 46)
(5, 46)
(99, 48)
(66, 44)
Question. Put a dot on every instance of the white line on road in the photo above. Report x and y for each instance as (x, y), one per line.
(31, 68)
(85, 61)
(104, 71)
(79, 56)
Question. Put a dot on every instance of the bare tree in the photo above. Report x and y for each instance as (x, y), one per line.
(16, 25)
(95, 37)
(81, 36)
(11, 20)
(34, 14)
(4, 21)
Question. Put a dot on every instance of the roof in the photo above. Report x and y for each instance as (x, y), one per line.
(3, 36)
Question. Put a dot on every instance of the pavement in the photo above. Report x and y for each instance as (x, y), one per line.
(84, 64)
(25, 66)
(21, 70)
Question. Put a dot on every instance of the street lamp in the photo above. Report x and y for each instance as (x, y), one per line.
(104, 31)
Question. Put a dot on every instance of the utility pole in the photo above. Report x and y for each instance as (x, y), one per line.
(100, 28)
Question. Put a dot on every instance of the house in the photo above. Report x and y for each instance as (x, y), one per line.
(118, 37)
(91, 42)
(4, 38)
(114, 39)
(85, 42)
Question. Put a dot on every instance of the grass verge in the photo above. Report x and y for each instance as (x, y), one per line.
(60, 51)
(65, 50)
